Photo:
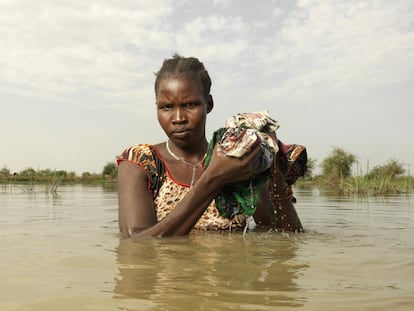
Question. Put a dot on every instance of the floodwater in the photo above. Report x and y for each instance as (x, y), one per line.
(62, 252)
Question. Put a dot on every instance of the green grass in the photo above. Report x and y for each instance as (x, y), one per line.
(365, 185)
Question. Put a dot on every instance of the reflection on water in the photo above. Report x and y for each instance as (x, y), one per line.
(212, 271)
(63, 252)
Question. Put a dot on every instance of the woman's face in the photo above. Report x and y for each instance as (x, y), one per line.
(182, 110)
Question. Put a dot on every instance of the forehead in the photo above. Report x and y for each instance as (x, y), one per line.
(179, 84)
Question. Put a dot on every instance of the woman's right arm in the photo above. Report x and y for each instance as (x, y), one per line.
(136, 208)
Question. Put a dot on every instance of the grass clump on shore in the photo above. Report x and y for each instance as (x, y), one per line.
(390, 178)
(366, 185)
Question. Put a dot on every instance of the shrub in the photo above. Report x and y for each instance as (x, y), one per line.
(337, 165)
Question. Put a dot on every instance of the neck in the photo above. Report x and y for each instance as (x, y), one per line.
(184, 155)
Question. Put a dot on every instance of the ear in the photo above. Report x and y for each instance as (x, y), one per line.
(210, 103)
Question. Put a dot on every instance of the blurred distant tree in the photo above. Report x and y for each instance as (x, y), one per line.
(110, 169)
(391, 169)
(61, 173)
(4, 172)
(28, 172)
(311, 164)
(86, 175)
(338, 164)
(71, 176)
(45, 173)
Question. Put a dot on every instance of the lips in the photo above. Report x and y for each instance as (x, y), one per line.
(181, 132)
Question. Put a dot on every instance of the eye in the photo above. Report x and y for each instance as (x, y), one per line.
(165, 107)
(190, 105)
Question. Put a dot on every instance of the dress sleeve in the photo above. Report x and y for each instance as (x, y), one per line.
(146, 156)
(292, 160)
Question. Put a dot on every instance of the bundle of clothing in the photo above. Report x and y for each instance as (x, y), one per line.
(238, 137)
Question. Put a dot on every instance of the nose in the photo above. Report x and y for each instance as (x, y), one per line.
(179, 116)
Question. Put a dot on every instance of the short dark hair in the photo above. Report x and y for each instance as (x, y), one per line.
(188, 66)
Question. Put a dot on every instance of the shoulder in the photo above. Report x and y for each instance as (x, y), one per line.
(137, 154)
(148, 158)
(292, 160)
(145, 156)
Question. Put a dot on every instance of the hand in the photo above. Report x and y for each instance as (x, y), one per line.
(231, 169)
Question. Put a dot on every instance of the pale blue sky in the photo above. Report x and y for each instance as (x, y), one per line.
(76, 77)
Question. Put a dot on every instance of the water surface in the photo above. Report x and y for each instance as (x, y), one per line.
(62, 252)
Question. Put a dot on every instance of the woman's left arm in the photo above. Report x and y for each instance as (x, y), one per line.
(275, 207)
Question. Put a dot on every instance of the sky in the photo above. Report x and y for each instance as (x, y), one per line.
(76, 77)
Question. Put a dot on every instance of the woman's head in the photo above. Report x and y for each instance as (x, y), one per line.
(189, 67)
(183, 100)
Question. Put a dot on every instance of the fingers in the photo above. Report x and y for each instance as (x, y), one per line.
(251, 161)
(237, 168)
(254, 153)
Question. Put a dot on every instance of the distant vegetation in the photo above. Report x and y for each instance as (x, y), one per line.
(389, 178)
(53, 178)
(336, 175)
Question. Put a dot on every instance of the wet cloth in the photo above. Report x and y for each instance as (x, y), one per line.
(237, 138)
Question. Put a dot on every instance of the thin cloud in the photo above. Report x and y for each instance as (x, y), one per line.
(342, 45)
(67, 46)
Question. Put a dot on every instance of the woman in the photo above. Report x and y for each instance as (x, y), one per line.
(164, 189)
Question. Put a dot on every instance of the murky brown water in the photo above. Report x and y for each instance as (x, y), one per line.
(63, 253)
